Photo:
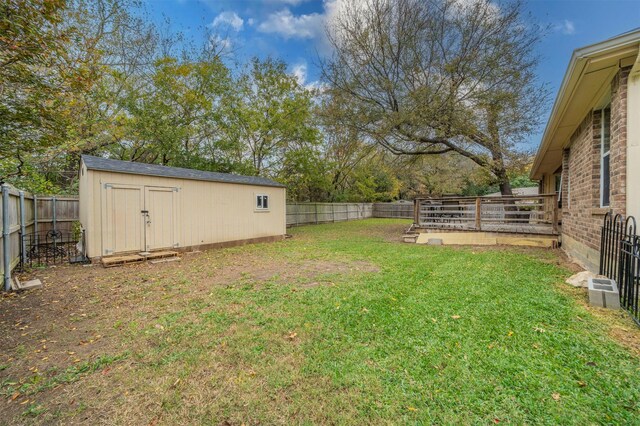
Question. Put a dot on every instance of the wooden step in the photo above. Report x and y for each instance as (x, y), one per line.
(161, 254)
(109, 262)
(410, 238)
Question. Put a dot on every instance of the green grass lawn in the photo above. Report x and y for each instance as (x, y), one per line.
(404, 334)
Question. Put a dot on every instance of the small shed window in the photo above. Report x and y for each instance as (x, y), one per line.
(262, 202)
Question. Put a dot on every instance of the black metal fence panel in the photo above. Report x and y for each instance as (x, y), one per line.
(620, 259)
(50, 248)
(629, 275)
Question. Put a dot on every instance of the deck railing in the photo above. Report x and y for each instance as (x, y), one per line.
(531, 214)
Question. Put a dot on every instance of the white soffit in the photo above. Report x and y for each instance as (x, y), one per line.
(585, 84)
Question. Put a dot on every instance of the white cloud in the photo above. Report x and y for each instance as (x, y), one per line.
(250, 22)
(299, 71)
(566, 27)
(469, 6)
(224, 45)
(308, 26)
(288, 25)
(230, 19)
(316, 86)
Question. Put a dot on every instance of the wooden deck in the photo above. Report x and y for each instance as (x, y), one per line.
(522, 215)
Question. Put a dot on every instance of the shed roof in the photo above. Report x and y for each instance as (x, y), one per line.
(130, 167)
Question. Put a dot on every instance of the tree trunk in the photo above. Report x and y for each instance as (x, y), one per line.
(496, 152)
(503, 181)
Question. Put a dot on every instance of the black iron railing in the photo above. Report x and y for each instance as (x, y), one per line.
(51, 247)
(620, 259)
(629, 275)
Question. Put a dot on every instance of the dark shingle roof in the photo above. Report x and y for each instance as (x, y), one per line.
(109, 165)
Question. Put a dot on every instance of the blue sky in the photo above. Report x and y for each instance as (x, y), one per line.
(293, 30)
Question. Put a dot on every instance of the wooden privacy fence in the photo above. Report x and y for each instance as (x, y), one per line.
(393, 210)
(314, 213)
(533, 214)
(26, 214)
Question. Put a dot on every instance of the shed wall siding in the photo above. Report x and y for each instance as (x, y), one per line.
(208, 212)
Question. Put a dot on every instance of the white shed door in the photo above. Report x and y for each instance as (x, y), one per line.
(123, 224)
(161, 222)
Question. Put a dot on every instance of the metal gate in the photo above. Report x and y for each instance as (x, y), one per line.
(620, 259)
(51, 247)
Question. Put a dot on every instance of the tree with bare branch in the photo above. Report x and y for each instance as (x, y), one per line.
(429, 77)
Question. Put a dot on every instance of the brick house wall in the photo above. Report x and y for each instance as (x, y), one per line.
(582, 215)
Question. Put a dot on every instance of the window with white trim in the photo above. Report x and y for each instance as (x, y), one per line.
(262, 202)
(605, 146)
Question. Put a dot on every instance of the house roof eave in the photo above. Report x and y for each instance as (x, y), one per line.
(595, 60)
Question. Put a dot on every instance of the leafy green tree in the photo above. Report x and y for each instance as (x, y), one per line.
(29, 47)
(174, 120)
(271, 116)
(429, 77)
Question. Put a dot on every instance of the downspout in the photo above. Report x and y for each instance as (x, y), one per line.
(633, 140)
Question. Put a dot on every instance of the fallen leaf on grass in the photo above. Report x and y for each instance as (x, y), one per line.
(412, 409)
(582, 383)
(510, 333)
(539, 330)
(555, 396)
(455, 316)
(292, 335)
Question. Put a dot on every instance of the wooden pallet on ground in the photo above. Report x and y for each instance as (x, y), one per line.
(109, 262)
(161, 254)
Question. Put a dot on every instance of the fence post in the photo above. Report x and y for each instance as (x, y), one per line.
(23, 233)
(554, 216)
(333, 213)
(6, 237)
(35, 220)
(297, 213)
(53, 209)
(316, 208)
(478, 213)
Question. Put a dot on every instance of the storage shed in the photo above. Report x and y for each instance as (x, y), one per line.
(128, 207)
